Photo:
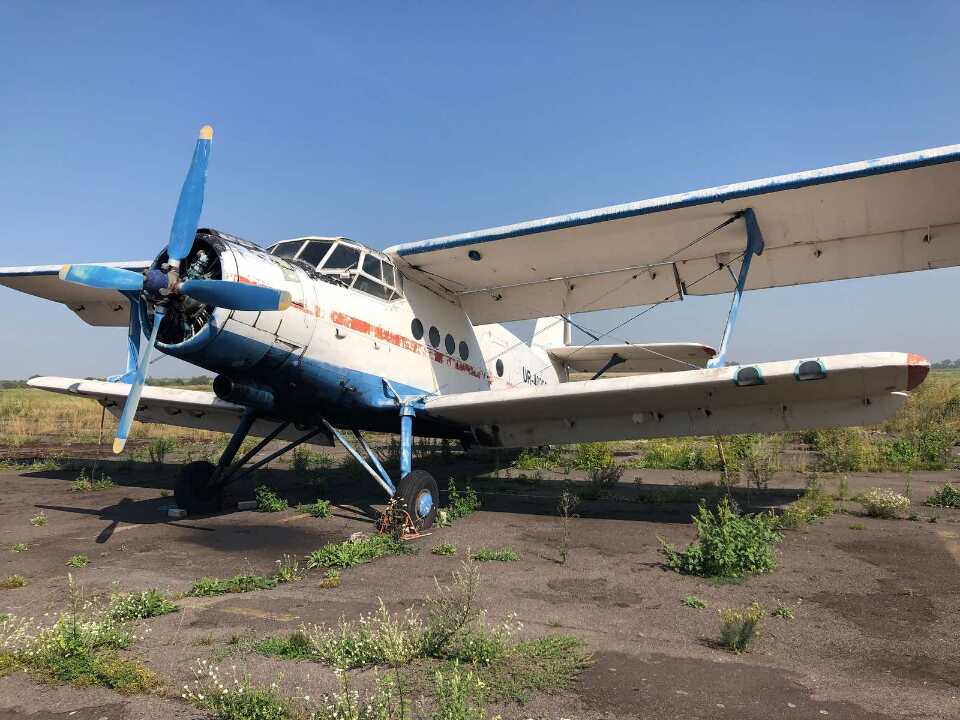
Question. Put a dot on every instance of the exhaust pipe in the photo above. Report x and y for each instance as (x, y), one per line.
(246, 394)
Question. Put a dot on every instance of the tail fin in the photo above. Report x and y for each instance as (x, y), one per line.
(553, 331)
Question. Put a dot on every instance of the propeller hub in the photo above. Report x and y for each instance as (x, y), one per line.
(156, 281)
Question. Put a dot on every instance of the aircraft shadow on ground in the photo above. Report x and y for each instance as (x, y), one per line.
(358, 498)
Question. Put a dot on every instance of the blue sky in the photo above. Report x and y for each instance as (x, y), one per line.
(395, 122)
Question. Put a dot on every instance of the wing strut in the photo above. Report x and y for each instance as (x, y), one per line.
(754, 247)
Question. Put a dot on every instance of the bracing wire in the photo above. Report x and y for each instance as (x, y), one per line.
(594, 337)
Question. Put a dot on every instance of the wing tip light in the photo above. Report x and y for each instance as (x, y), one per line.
(917, 368)
(206, 132)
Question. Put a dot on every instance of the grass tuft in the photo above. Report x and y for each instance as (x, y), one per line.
(269, 501)
(444, 549)
(78, 561)
(138, 606)
(318, 508)
(91, 481)
(738, 627)
(692, 601)
(12, 581)
(495, 555)
(356, 552)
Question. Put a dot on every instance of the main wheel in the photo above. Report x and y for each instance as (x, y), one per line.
(419, 494)
(194, 491)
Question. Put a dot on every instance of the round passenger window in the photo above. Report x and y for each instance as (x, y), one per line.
(416, 327)
(434, 336)
(450, 344)
(499, 368)
(464, 350)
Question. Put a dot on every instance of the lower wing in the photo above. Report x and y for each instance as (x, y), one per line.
(839, 390)
(170, 406)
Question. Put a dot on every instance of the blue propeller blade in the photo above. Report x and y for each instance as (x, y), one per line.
(190, 205)
(234, 295)
(102, 276)
(133, 398)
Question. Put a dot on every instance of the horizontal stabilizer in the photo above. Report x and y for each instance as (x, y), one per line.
(95, 306)
(840, 390)
(652, 357)
(169, 406)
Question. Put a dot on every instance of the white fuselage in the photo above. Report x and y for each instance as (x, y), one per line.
(334, 345)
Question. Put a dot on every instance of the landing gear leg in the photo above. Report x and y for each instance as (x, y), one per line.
(199, 490)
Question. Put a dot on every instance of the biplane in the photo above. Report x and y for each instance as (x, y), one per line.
(319, 339)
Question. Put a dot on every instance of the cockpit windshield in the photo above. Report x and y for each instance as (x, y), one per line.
(342, 262)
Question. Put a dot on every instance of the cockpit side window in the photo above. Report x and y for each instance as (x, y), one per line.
(371, 266)
(287, 249)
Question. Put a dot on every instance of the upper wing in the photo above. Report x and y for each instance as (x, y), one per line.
(875, 217)
(840, 390)
(170, 406)
(652, 357)
(94, 306)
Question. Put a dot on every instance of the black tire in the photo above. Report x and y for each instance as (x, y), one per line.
(419, 494)
(194, 492)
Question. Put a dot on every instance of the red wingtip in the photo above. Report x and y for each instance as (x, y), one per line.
(917, 368)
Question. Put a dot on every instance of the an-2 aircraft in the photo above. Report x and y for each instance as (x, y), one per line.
(317, 337)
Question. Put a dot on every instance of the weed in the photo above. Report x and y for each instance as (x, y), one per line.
(813, 505)
(90, 482)
(78, 561)
(883, 503)
(159, 448)
(692, 601)
(235, 697)
(738, 626)
(288, 570)
(728, 544)
(331, 579)
(679, 454)
(948, 497)
(784, 612)
(592, 456)
(840, 449)
(460, 505)
(565, 508)
(304, 460)
(758, 457)
(857, 526)
(451, 627)
(495, 555)
(549, 665)
(458, 695)
(269, 501)
(19, 547)
(209, 586)
(39, 520)
(318, 508)
(295, 646)
(358, 552)
(606, 477)
(80, 648)
(12, 581)
(535, 459)
(444, 549)
(137, 606)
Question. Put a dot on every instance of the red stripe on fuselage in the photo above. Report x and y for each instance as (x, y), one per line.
(401, 341)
